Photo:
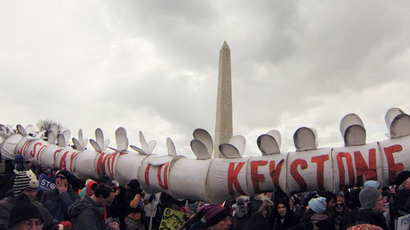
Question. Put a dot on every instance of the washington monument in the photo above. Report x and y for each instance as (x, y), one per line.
(223, 126)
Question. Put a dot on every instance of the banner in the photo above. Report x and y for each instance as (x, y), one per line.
(45, 183)
(172, 219)
(403, 222)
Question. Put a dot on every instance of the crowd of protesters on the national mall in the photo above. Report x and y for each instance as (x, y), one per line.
(101, 203)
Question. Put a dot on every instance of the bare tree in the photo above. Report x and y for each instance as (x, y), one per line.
(46, 125)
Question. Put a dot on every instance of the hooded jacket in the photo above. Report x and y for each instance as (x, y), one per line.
(7, 203)
(88, 189)
(288, 220)
(85, 214)
(57, 203)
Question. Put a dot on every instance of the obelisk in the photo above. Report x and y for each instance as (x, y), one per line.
(223, 126)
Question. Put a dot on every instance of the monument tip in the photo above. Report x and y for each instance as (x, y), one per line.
(225, 45)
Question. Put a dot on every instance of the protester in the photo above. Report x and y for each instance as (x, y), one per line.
(314, 218)
(25, 215)
(58, 200)
(258, 219)
(373, 207)
(26, 183)
(116, 211)
(88, 213)
(284, 217)
(240, 215)
(340, 211)
(209, 217)
(402, 200)
(6, 179)
(134, 209)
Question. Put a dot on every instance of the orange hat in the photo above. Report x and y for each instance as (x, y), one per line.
(340, 199)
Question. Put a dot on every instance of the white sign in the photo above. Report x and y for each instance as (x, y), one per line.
(403, 222)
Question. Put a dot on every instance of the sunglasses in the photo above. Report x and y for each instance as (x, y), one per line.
(60, 177)
(340, 205)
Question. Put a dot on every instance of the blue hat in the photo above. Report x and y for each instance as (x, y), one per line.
(19, 158)
(318, 205)
(372, 183)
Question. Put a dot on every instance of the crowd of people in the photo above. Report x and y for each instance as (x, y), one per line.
(101, 203)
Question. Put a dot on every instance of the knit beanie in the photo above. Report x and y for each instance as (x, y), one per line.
(372, 183)
(365, 227)
(240, 201)
(214, 213)
(23, 180)
(23, 209)
(340, 199)
(318, 205)
(401, 177)
(66, 174)
(368, 197)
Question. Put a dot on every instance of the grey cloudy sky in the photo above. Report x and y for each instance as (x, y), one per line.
(153, 66)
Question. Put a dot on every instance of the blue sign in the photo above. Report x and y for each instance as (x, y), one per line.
(46, 183)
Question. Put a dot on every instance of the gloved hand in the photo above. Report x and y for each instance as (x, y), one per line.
(64, 225)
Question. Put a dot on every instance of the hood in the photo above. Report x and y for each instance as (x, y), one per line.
(88, 189)
(84, 204)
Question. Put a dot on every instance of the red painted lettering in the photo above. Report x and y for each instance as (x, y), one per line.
(73, 156)
(349, 162)
(370, 172)
(164, 184)
(233, 178)
(100, 163)
(147, 175)
(110, 163)
(275, 174)
(320, 161)
(40, 151)
(393, 167)
(295, 174)
(257, 178)
(55, 154)
(62, 164)
(25, 145)
(33, 152)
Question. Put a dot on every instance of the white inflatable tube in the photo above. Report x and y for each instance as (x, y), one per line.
(215, 180)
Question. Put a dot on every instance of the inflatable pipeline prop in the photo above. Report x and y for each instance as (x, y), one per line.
(309, 168)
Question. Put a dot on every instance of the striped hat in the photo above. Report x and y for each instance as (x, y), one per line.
(24, 179)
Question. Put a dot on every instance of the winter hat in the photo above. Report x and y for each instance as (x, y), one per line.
(240, 201)
(23, 209)
(23, 180)
(372, 183)
(365, 227)
(401, 177)
(19, 162)
(214, 213)
(19, 159)
(66, 174)
(134, 184)
(368, 197)
(340, 199)
(318, 205)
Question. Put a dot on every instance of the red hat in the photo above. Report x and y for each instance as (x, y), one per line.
(214, 213)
